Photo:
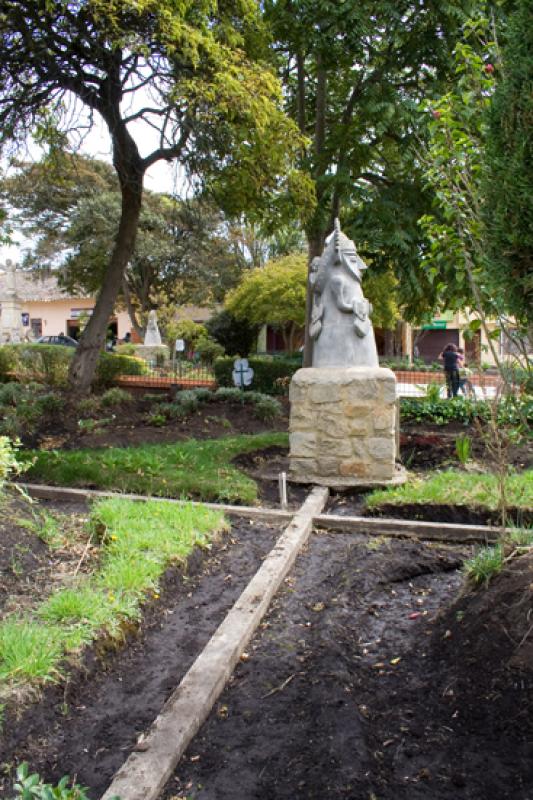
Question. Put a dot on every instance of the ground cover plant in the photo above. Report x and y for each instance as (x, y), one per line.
(32, 787)
(441, 411)
(131, 546)
(192, 468)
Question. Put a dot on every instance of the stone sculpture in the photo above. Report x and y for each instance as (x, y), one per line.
(343, 429)
(341, 328)
(152, 337)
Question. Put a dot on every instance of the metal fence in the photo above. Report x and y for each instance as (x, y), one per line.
(477, 385)
(179, 374)
(184, 374)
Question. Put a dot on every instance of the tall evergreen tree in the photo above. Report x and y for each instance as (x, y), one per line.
(355, 73)
(508, 205)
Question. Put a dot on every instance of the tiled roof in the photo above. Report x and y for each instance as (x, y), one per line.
(32, 287)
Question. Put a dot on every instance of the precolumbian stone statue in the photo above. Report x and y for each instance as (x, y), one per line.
(341, 328)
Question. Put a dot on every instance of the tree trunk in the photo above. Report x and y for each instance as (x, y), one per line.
(316, 236)
(389, 343)
(137, 327)
(83, 365)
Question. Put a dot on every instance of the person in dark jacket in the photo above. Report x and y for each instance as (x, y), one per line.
(450, 357)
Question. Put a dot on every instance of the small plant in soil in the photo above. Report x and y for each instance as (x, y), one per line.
(489, 561)
(88, 406)
(157, 420)
(32, 787)
(116, 398)
(463, 449)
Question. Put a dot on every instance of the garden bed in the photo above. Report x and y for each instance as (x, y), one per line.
(87, 721)
(376, 676)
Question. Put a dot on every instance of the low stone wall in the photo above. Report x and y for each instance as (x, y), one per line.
(343, 426)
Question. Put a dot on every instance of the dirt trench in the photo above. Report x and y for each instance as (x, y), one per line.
(361, 684)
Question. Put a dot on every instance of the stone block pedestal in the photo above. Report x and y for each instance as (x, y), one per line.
(343, 427)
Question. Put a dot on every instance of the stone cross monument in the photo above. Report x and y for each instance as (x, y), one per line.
(343, 408)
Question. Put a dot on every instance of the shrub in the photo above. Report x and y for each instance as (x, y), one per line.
(232, 394)
(45, 363)
(440, 411)
(8, 461)
(11, 393)
(203, 395)
(127, 349)
(111, 365)
(88, 406)
(169, 410)
(267, 372)
(156, 419)
(50, 403)
(267, 408)
(7, 362)
(236, 336)
(116, 397)
(208, 350)
(188, 400)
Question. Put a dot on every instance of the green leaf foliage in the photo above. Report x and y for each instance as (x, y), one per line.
(508, 206)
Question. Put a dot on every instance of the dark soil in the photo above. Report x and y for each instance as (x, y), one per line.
(424, 447)
(29, 569)
(353, 503)
(265, 466)
(129, 426)
(88, 725)
(361, 686)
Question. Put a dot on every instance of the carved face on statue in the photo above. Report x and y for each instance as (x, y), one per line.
(347, 255)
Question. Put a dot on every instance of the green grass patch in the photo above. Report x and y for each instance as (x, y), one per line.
(195, 469)
(138, 541)
(453, 487)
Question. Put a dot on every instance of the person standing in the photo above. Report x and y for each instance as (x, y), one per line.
(450, 357)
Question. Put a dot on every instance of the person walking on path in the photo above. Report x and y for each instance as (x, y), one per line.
(450, 357)
(465, 384)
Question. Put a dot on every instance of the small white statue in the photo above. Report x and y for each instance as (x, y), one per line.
(152, 337)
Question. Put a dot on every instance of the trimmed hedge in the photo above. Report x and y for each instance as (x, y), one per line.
(272, 374)
(48, 364)
(111, 365)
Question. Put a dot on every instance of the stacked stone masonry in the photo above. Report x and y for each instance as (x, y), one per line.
(343, 426)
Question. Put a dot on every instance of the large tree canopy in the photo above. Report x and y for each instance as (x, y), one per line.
(273, 294)
(354, 74)
(192, 71)
(68, 208)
